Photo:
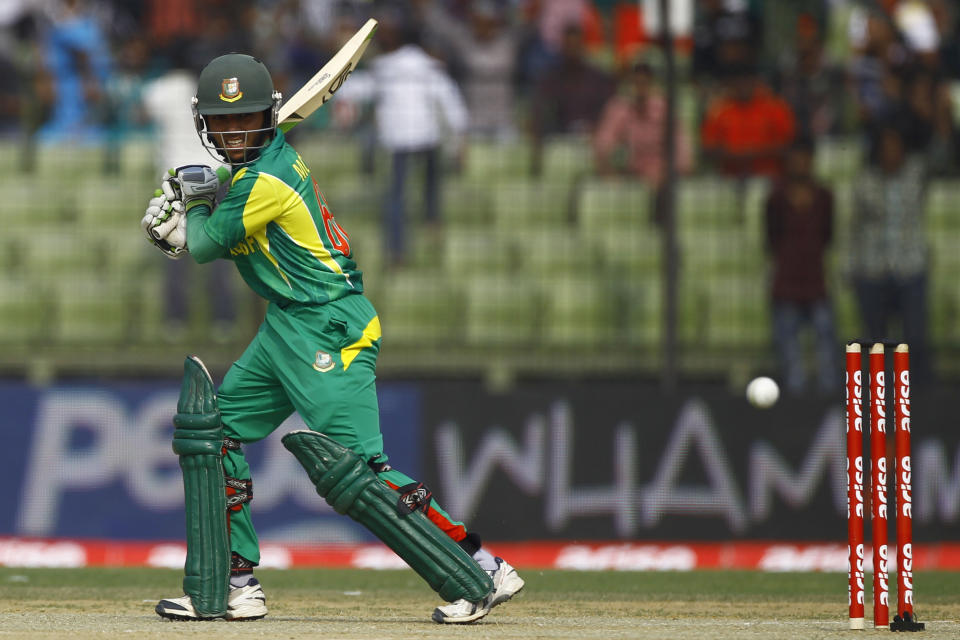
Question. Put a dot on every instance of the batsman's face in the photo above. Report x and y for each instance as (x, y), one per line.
(234, 133)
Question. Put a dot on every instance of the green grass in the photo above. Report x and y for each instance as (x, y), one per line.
(106, 603)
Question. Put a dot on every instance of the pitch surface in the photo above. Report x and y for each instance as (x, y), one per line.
(85, 604)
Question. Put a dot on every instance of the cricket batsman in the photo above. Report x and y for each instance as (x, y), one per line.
(315, 353)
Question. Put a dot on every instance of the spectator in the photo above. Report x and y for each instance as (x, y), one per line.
(77, 58)
(549, 21)
(486, 53)
(416, 104)
(747, 130)
(724, 38)
(814, 89)
(568, 98)
(916, 21)
(926, 116)
(166, 102)
(21, 109)
(875, 82)
(799, 230)
(632, 126)
(888, 258)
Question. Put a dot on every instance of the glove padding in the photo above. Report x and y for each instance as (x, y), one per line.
(165, 221)
(198, 184)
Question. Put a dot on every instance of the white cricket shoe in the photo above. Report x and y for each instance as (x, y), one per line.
(243, 603)
(462, 611)
(506, 583)
(247, 602)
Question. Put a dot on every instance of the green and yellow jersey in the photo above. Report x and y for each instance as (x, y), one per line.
(275, 224)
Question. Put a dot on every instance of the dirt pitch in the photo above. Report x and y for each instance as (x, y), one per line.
(86, 604)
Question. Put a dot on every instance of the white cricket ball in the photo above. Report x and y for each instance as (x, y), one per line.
(763, 392)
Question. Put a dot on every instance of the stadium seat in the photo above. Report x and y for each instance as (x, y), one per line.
(11, 157)
(501, 311)
(707, 252)
(738, 308)
(492, 161)
(474, 252)
(91, 309)
(944, 309)
(838, 158)
(943, 206)
(330, 156)
(567, 158)
(127, 250)
(553, 253)
(628, 252)
(755, 194)
(366, 242)
(103, 201)
(845, 311)
(466, 203)
(643, 313)
(524, 204)
(420, 308)
(842, 216)
(147, 302)
(613, 204)
(944, 291)
(710, 202)
(24, 311)
(579, 313)
(61, 251)
(352, 197)
(945, 251)
(32, 199)
(71, 164)
(138, 156)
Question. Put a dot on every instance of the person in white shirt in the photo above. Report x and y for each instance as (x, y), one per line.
(166, 102)
(418, 110)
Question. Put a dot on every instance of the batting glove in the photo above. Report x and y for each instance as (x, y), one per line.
(165, 221)
(198, 184)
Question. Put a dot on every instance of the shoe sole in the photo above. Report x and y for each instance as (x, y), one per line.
(247, 614)
(442, 619)
(174, 617)
(168, 615)
(512, 591)
(180, 618)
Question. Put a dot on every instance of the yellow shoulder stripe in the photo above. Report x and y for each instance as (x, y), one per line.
(293, 218)
(371, 333)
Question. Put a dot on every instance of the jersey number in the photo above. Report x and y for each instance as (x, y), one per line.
(338, 237)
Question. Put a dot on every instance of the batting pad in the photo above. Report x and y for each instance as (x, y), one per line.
(198, 439)
(352, 488)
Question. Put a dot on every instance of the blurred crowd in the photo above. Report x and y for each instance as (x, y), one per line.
(763, 72)
(761, 84)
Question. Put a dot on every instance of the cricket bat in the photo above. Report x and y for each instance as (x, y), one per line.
(327, 81)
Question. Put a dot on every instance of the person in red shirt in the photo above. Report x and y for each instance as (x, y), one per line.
(629, 136)
(633, 122)
(799, 229)
(747, 130)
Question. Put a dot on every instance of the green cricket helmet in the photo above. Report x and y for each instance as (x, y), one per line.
(235, 83)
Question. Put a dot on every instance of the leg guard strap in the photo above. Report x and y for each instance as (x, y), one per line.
(351, 487)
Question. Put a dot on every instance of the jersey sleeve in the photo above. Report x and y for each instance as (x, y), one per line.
(248, 206)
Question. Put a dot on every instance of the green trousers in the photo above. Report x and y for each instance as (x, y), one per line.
(320, 361)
